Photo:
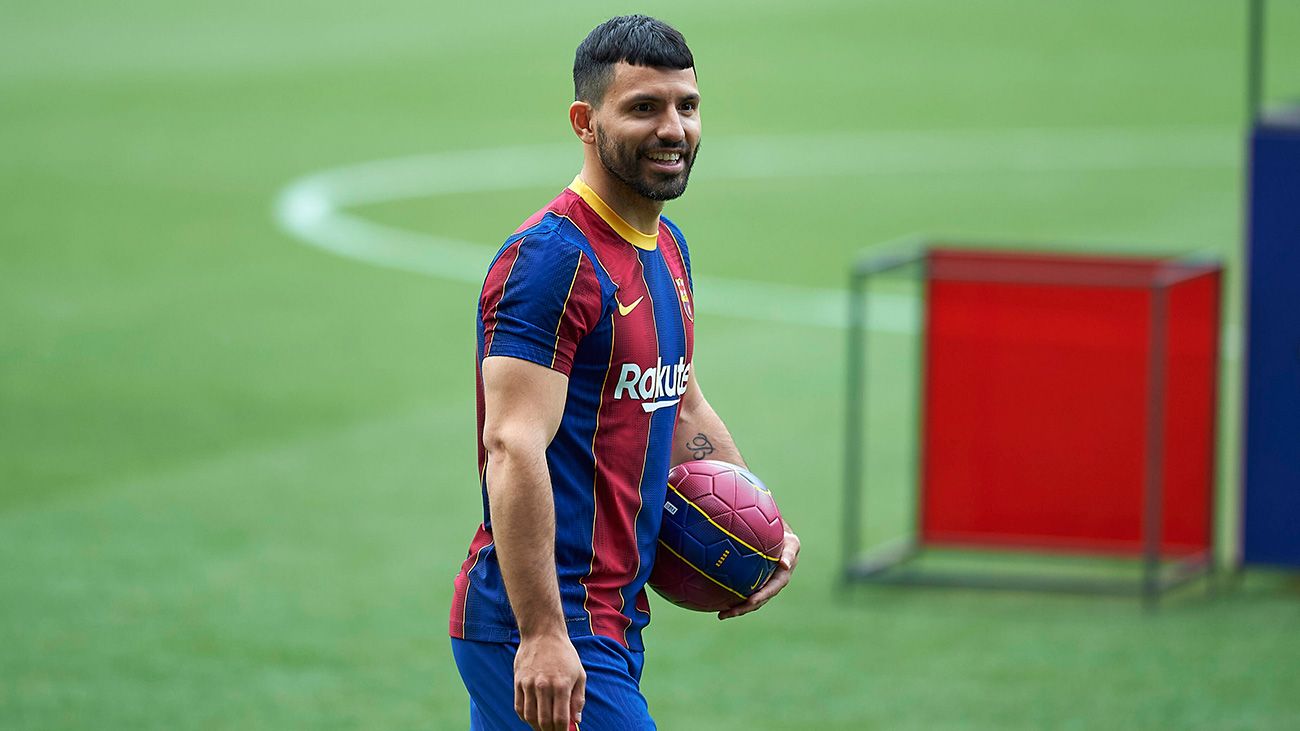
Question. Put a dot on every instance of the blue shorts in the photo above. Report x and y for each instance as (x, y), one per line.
(613, 697)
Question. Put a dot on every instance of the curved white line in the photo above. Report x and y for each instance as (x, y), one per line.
(312, 208)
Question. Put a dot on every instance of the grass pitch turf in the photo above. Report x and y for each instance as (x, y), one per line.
(236, 473)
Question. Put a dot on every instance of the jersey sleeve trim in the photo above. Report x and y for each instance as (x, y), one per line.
(494, 289)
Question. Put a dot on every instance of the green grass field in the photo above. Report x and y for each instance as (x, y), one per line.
(237, 473)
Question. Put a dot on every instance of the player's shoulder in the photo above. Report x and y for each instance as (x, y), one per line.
(553, 226)
(547, 245)
(551, 235)
(680, 240)
(675, 230)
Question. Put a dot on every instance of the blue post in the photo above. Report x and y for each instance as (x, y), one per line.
(1271, 521)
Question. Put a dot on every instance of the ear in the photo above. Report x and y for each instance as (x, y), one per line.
(581, 116)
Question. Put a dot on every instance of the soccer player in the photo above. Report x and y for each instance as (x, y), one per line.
(586, 396)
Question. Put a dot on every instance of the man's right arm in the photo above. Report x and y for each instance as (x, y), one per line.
(523, 405)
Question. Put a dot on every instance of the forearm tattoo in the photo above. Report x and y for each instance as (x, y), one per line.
(700, 446)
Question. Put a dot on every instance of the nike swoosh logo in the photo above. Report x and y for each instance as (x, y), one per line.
(625, 310)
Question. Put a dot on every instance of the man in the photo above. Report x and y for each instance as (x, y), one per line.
(590, 295)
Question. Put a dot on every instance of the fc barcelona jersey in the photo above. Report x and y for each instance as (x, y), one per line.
(579, 290)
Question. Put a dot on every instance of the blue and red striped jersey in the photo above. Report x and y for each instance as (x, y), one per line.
(579, 290)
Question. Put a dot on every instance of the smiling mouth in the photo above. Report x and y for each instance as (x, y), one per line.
(667, 161)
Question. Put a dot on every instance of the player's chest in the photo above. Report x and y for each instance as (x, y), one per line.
(651, 325)
(652, 314)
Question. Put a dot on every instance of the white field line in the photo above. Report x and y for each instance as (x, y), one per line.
(313, 208)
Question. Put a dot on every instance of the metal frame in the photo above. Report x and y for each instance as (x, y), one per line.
(893, 563)
(1254, 58)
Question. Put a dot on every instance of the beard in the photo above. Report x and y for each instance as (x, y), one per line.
(624, 163)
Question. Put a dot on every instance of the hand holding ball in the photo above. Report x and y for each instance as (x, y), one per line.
(721, 537)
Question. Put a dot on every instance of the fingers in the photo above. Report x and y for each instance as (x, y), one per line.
(556, 716)
(578, 699)
(521, 706)
(790, 556)
(567, 704)
(544, 719)
(548, 676)
(546, 706)
(526, 703)
(790, 550)
(540, 708)
(778, 581)
(738, 610)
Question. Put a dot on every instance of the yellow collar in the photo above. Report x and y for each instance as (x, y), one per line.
(624, 229)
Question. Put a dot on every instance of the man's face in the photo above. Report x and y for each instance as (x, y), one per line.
(648, 129)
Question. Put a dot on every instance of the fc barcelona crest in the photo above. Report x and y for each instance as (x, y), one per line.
(685, 295)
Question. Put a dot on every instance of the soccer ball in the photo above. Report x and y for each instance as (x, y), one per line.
(721, 536)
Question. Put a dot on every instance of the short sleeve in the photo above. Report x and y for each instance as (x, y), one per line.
(540, 298)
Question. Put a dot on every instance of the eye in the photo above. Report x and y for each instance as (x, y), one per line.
(643, 107)
(689, 106)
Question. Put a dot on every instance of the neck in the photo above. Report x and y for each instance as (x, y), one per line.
(639, 211)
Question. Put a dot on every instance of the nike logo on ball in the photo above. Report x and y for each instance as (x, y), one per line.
(625, 310)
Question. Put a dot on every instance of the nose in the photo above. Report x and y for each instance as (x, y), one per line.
(670, 127)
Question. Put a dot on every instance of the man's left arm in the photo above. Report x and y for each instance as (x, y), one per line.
(700, 434)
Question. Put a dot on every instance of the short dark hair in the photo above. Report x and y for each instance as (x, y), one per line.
(636, 39)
